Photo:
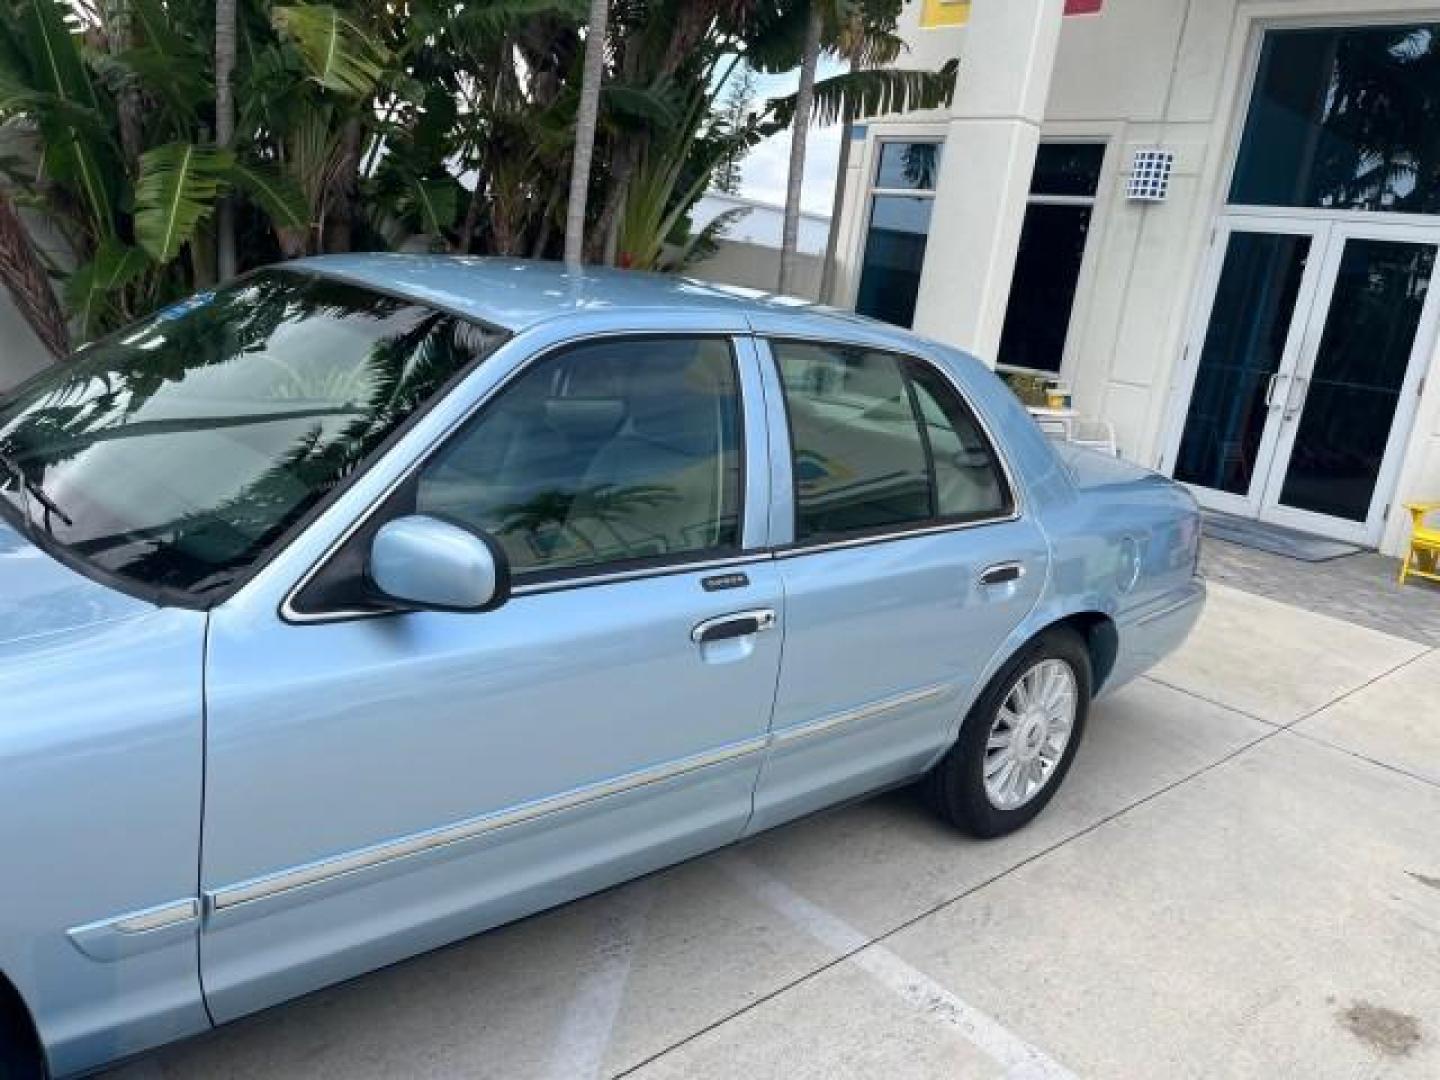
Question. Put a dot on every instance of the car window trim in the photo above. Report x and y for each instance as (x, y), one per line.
(882, 533)
(575, 577)
(681, 565)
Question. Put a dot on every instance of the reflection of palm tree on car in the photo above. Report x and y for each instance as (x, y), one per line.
(562, 513)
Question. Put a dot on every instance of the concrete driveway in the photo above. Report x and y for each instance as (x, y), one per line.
(1240, 878)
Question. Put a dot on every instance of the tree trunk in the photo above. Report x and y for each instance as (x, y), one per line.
(116, 20)
(343, 199)
(799, 136)
(23, 273)
(837, 207)
(226, 255)
(585, 122)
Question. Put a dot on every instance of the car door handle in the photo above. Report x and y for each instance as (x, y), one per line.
(1002, 573)
(739, 624)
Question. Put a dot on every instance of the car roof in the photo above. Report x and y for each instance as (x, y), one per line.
(516, 294)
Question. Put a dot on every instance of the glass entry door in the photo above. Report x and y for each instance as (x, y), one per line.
(1306, 370)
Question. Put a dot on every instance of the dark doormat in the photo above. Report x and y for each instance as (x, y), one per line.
(1275, 539)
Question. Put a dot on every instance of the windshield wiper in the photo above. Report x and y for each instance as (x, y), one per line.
(34, 491)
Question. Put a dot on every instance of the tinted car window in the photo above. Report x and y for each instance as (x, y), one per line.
(881, 441)
(610, 452)
(175, 455)
(969, 482)
(859, 458)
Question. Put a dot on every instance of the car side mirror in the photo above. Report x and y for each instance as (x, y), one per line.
(425, 563)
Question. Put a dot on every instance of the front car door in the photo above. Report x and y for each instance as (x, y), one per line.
(380, 784)
(906, 560)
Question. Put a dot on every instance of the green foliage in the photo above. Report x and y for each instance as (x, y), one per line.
(872, 93)
(360, 125)
(277, 194)
(338, 52)
(176, 190)
(92, 291)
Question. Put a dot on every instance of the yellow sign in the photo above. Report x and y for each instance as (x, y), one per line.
(944, 13)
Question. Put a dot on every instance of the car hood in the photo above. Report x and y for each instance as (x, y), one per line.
(40, 596)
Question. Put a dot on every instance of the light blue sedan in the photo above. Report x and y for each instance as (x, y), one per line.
(374, 601)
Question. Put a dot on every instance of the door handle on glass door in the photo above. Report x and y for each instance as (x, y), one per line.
(1002, 573)
(1293, 407)
(1270, 388)
(739, 624)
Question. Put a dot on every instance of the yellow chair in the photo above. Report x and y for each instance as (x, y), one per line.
(1423, 557)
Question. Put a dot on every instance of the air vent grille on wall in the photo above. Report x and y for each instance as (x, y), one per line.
(1150, 176)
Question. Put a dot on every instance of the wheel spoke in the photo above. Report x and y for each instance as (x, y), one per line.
(1020, 762)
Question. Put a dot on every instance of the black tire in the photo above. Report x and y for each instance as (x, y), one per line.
(955, 787)
(19, 1055)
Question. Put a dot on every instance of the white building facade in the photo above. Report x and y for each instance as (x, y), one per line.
(1217, 221)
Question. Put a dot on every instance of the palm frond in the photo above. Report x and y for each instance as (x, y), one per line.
(278, 195)
(89, 293)
(60, 71)
(857, 94)
(499, 17)
(177, 189)
(640, 105)
(338, 52)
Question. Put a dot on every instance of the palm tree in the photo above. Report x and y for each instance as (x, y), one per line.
(799, 139)
(23, 273)
(861, 32)
(225, 17)
(585, 123)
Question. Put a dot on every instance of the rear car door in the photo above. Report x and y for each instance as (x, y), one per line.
(906, 560)
(378, 785)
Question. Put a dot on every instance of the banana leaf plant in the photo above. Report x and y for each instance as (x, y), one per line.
(112, 106)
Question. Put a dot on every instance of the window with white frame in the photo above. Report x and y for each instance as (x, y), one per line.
(901, 198)
(1052, 250)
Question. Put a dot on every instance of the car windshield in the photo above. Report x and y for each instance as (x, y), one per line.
(176, 454)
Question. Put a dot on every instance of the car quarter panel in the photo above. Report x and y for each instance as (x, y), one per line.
(100, 770)
(1126, 543)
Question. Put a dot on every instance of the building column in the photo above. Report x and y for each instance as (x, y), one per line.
(990, 147)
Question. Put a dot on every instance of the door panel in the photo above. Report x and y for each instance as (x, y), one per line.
(886, 635)
(328, 740)
(884, 644)
(1344, 404)
(380, 785)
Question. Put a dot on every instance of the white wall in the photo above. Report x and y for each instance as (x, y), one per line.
(761, 223)
(1138, 297)
(21, 354)
(756, 266)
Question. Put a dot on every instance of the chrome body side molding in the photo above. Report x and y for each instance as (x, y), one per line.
(324, 871)
(287, 881)
(824, 724)
(137, 931)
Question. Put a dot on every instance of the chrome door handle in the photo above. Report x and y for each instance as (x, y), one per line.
(738, 624)
(1002, 573)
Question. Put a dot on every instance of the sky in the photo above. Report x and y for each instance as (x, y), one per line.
(766, 166)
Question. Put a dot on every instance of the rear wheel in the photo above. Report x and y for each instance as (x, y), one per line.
(1018, 741)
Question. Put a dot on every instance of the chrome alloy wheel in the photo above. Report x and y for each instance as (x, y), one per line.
(1029, 735)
